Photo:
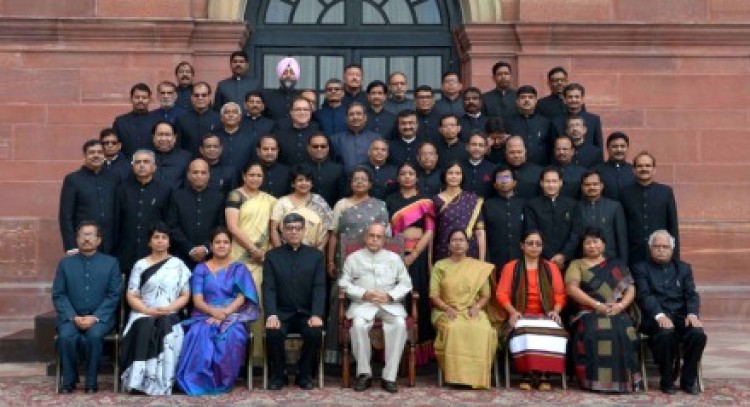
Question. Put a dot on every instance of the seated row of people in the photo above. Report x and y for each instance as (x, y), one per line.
(527, 312)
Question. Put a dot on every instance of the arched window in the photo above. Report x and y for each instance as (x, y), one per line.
(411, 36)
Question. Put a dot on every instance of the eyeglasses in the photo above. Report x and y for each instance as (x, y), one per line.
(318, 146)
(200, 95)
(293, 228)
(533, 243)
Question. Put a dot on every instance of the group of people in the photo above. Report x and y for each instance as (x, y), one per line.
(262, 211)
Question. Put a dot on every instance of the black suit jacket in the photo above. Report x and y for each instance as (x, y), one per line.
(648, 209)
(294, 282)
(668, 289)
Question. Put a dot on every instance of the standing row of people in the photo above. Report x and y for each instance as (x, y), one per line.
(441, 170)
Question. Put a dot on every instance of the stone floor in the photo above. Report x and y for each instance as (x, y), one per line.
(727, 355)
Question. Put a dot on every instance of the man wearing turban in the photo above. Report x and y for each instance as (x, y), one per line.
(278, 101)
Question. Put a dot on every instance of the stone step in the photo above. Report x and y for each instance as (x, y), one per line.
(44, 334)
(20, 347)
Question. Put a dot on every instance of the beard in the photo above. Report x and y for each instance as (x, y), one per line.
(288, 83)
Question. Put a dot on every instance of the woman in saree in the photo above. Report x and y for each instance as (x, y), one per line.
(310, 206)
(466, 341)
(157, 291)
(248, 214)
(224, 299)
(532, 292)
(351, 215)
(413, 218)
(605, 348)
(456, 208)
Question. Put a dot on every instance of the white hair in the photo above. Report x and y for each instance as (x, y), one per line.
(661, 232)
(229, 104)
(145, 151)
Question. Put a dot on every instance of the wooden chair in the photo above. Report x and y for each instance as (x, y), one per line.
(113, 337)
(297, 337)
(395, 245)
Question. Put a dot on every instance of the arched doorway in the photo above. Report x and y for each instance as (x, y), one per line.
(412, 36)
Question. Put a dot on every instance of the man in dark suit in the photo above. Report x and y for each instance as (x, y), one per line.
(649, 206)
(235, 87)
(88, 193)
(141, 202)
(194, 211)
(666, 294)
(85, 293)
(294, 295)
(552, 215)
(501, 101)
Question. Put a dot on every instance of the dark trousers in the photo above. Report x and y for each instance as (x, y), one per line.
(308, 354)
(664, 346)
(71, 341)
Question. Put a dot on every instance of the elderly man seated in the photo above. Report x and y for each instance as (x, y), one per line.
(666, 294)
(376, 280)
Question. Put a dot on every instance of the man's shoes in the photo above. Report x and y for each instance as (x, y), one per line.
(692, 390)
(668, 390)
(362, 383)
(305, 384)
(389, 386)
(275, 385)
(67, 389)
(92, 390)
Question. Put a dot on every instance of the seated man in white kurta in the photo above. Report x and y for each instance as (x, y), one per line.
(376, 280)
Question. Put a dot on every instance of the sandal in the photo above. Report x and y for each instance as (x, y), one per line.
(525, 386)
(545, 386)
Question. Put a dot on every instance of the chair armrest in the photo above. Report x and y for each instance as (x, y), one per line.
(343, 333)
(414, 302)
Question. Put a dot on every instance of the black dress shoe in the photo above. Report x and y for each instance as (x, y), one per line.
(275, 385)
(305, 384)
(92, 390)
(692, 390)
(668, 390)
(67, 389)
(362, 383)
(389, 386)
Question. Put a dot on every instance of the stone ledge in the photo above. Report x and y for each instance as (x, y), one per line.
(612, 39)
(120, 34)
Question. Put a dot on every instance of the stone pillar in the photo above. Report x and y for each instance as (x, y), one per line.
(227, 10)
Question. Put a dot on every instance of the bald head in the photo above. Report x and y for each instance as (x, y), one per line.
(198, 174)
(515, 151)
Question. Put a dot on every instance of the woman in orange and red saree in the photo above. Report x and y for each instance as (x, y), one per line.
(413, 218)
(532, 292)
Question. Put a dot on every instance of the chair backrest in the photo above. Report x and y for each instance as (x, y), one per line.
(351, 245)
